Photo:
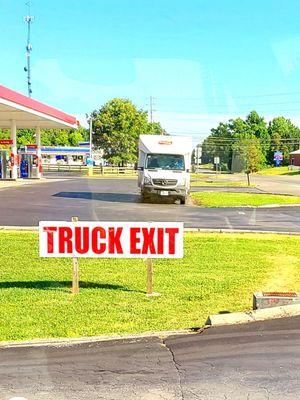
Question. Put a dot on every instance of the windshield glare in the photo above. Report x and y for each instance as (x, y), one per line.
(165, 161)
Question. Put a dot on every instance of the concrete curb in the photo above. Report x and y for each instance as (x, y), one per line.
(203, 230)
(263, 206)
(18, 228)
(255, 315)
(60, 342)
(221, 230)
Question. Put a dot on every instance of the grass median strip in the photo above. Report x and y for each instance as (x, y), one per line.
(218, 273)
(226, 199)
(220, 183)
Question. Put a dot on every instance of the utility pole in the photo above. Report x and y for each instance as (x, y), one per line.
(91, 137)
(151, 109)
(29, 20)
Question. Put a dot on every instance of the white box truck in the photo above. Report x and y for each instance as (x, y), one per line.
(164, 166)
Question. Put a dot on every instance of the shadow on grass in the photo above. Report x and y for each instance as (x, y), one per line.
(292, 173)
(54, 285)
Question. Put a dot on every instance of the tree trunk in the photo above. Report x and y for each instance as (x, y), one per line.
(248, 178)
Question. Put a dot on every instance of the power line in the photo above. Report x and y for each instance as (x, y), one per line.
(242, 104)
(275, 94)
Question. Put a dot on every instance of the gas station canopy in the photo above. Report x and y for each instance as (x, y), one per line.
(19, 111)
(28, 113)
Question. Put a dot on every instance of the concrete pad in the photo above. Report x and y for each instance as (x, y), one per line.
(254, 315)
(229, 319)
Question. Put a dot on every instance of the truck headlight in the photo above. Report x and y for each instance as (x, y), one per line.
(147, 181)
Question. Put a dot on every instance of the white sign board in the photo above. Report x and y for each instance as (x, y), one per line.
(216, 160)
(111, 239)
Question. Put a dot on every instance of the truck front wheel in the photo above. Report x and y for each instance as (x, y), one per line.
(183, 200)
(144, 197)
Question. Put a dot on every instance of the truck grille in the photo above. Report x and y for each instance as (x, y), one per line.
(165, 182)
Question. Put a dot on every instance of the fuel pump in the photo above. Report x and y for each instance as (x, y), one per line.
(5, 161)
(26, 165)
(3, 164)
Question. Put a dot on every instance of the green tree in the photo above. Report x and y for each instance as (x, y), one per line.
(250, 152)
(284, 136)
(49, 137)
(258, 128)
(228, 141)
(117, 126)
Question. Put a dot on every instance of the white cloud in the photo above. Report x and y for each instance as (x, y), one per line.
(287, 53)
(157, 77)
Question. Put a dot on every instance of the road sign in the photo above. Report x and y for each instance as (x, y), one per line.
(216, 160)
(278, 156)
(6, 141)
(111, 239)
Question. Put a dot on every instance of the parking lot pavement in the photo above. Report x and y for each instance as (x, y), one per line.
(119, 200)
(260, 360)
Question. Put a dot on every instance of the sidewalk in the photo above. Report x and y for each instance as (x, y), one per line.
(280, 184)
(22, 182)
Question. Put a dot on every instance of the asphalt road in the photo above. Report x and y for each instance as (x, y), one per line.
(248, 362)
(289, 184)
(118, 199)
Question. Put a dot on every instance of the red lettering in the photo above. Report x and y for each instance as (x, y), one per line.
(82, 241)
(134, 240)
(114, 245)
(148, 244)
(49, 230)
(65, 240)
(171, 232)
(97, 234)
(160, 240)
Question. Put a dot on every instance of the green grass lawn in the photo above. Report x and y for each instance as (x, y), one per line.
(226, 199)
(278, 171)
(218, 273)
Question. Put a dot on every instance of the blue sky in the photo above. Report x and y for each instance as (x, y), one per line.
(202, 61)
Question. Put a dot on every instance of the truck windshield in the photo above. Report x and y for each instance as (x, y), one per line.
(165, 161)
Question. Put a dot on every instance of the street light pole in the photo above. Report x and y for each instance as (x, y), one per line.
(91, 137)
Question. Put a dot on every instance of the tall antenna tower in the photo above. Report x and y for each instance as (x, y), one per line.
(29, 20)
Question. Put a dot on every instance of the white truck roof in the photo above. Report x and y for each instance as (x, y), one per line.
(165, 144)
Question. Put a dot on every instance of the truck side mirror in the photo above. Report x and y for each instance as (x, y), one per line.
(140, 168)
(187, 170)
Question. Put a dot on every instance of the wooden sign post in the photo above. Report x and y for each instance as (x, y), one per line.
(75, 277)
(149, 265)
(149, 287)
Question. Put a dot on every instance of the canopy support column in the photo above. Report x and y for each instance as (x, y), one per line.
(38, 151)
(14, 155)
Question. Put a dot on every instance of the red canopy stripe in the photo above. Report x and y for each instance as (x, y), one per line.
(24, 101)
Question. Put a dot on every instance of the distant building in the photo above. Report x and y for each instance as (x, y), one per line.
(66, 155)
(295, 158)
